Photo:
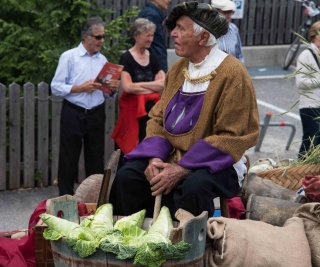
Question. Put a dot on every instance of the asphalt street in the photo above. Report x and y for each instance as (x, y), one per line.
(275, 94)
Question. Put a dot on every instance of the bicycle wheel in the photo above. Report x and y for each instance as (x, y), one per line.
(292, 53)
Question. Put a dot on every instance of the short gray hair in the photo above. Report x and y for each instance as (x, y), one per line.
(141, 25)
(89, 23)
(198, 29)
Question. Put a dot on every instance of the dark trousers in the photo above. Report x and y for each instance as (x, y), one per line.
(80, 127)
(310, 119)
(131, 192)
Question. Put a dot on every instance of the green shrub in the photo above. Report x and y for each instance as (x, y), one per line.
(34, 33)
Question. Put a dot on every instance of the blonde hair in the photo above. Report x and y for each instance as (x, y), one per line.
(314, 31)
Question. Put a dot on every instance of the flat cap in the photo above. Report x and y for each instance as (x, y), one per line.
(203, 14)
(224, 5)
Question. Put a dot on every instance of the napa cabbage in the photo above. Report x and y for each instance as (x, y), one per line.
(156, 247)
(81, 239)
(101, 223)
(58, 227)
(124, 240)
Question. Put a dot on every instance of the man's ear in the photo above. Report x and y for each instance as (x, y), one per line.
(204, 38)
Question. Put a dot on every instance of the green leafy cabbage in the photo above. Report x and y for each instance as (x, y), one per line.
(126, 239)
(81, 239)
(155, 247)
(101, 223)
(58, 227)
(134, 219)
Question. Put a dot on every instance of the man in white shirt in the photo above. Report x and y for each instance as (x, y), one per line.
(83, 113)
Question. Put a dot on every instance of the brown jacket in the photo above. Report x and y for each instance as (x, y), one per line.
(229, 118)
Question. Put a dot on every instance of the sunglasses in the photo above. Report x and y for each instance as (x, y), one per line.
(98, 37)
(228, 12)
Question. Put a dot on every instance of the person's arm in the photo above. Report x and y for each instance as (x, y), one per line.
(239, 48)
(307, 76)
(60, 84)
(157, 85)
(142, 87)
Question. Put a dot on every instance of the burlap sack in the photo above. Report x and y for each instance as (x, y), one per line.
(310, 214)
(248, 243)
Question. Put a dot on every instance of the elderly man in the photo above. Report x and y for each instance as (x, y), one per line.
(200, 129)
(83, 110)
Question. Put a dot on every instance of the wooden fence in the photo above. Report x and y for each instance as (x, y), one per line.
(29, 136)
(265, 22)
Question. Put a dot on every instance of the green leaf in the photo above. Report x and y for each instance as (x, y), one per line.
(85, 248)
(49, 234)
(135, 219)
(81, 233)
(149, 255)
(101, 223)
(175, 252)
(113, 243)
(62, 226)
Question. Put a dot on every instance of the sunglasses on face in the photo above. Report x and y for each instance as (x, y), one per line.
(98, 37)
(228, 12)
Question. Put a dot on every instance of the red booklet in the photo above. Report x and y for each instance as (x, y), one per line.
(110, 71)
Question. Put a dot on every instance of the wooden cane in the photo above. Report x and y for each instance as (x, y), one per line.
(157, 207)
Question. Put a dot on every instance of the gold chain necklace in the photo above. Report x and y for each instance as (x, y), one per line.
(198, 80)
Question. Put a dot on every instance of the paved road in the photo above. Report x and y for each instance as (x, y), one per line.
(274, 93)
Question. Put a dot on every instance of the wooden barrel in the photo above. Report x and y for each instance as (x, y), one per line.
(270, 210)
(192, 232)
(64, 256)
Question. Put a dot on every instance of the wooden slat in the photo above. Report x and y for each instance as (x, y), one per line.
(28, 136)
(251, 22)
(281, 23)
(266, 23)
(15, 136)
(43, 133)
(3, 139)
(110, 108)
(259, 23)
(289, 21)
(274, 22)
(55, 135)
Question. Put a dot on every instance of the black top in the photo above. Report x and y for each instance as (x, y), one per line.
(140, 73)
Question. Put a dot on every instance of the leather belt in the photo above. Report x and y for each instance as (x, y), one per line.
(81, 109)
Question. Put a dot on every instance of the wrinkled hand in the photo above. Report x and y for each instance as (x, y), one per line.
(152, 170)
(167, 179)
